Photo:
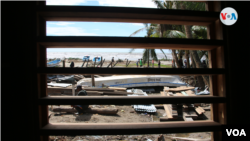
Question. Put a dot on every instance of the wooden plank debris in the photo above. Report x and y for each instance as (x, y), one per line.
(178, 94)
(167, 107)
(98, 89)
(116, 93)
(190, 93)
(202, 109)
(186, 91)
(190, 113)
(198, 111)
(118, 88)
(180, 89)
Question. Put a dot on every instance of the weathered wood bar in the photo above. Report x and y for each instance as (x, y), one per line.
(105, 111)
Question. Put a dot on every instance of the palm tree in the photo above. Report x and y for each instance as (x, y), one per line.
(193, 6)
(171, 31)
(148, 53)
(190, 31)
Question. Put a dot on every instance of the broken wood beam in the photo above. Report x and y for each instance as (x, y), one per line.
(190, 113)
(115, 64)
(118, 88)
(105, 111)
(201, 109)
(87, 64)
(83, 63)
(93, 80)
(181, 89)
(94, 62)
(173, 108)
(102, 62)
(171, 119)
(167, 107)
(128, 64)
(109, 64)
(98, 89)
(198, 111)
(117, 93)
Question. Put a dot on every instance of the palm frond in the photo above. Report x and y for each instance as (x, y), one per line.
(153, 54)
(164, 53)
(174, 34)
(199, 32)
(201, 53)
(131, 50)
(145, 56)
(155, 35)
(137, 31)
(159, 4)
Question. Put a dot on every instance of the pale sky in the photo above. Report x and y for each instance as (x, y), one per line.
(116, 29)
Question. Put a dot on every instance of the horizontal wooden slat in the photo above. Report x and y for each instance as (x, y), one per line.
(128, 100)
(126, 14)
(195, 0)
(128, 128)
(127, 42)
(135, 71)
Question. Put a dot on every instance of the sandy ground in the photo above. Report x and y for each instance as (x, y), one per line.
(78, 63)
(107, 55)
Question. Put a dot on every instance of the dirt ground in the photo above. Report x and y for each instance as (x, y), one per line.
(126, 114)
(122, 116)
(147, 137)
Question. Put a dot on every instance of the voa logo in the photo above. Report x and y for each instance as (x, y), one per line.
(228, 16)
(236, 132)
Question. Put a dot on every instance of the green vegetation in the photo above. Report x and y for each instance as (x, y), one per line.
(165, 59)
(182, 31)
(74, 58)
(148, 53)
(120, 60)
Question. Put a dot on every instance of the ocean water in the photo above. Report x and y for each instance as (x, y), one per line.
(107, 56)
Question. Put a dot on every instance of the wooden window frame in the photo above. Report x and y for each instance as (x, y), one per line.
(217, 69)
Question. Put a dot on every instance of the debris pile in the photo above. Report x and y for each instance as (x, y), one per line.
(91, 91)
(142, 108)
(182, 112)
(64, 78)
